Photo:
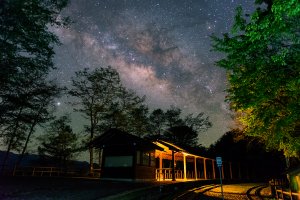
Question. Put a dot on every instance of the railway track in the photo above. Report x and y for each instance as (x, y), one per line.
(207, 192)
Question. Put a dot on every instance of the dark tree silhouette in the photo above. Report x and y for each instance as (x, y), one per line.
(172, 126)
(173, 117)
(59, 143)
(128, 113)
(26, 52)
(250, 153)
(96, 92)
(107, 104)
(157, 122)
(38, 111)
(182, 136)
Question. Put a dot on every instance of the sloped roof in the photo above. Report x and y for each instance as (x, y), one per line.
(115, 137)
(171, 146)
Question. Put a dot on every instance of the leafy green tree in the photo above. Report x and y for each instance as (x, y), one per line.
(262, 59)
(59, 143)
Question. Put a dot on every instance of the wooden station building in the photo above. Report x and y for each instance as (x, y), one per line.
(128, 157)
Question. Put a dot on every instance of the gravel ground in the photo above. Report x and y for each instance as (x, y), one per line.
(236, 192)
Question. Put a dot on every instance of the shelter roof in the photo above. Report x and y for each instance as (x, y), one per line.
(118, 138)
(171, 146)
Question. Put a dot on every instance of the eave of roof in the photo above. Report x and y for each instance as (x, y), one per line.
(116, 137)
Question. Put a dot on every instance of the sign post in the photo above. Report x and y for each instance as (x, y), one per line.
(219, 164)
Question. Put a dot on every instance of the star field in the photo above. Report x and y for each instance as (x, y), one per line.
(161, 48)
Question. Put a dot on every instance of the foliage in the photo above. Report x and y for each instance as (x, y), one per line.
(157, 121)
(262, 59)
(104, 101)
(59, 143)
(26, 43)
(95, 92)
(182, 136)
(128, 113)
(172, 126)
(248, 151)
(28, 108)
(26, 52)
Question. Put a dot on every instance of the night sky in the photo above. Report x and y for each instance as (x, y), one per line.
(160, 48)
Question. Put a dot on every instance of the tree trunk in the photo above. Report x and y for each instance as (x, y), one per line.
(34, 123)
(11, 142)
(26, 144)
(91, 148)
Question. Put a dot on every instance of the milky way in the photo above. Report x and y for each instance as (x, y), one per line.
(160, 48)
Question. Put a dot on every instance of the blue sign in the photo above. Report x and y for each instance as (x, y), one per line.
(219, 161)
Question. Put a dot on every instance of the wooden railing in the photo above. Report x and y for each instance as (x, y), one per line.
(286, 194)
(44, 171)
(166, 173)
(282, 191)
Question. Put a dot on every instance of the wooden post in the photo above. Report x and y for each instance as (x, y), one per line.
(230, 170)
(173, 166)
(160, 174)
(223, 172)
(240, 173)
(184, 167)
(204, 168)
(195, 167)
(213, 167)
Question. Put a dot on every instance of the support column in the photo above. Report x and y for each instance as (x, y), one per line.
(161, 175)
(173, 166)
(230, 170)
(213, 168)
(240, 172)
(204, 168)
(195, 167)
(223, 171)
(184, 167)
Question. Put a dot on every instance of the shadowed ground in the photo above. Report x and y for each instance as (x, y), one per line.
(62, 188)
(83, 188)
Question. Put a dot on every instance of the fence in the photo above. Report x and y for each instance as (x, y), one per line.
(286, 194)
(281, 190)
(166, 173)
(45, 171)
